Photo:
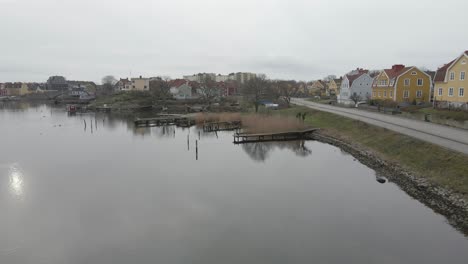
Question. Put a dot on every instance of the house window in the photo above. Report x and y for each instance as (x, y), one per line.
(420, 82)
(392, 82)
(462, 76)
(461, 92)
(133, 86)
(414, 73)
(373, 94)
(450, 93)
(385, 94)
(452, 76)
(145, 86)
(406, 94)
(419, 93)
(463, 61)
(391, 94)
(380, 94)
(441, 91)
(407, 82)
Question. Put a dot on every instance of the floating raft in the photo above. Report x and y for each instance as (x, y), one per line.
(181, 121)
(241, 138)
(221, 126)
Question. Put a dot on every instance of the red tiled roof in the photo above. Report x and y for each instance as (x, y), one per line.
(396, 71)
(177, 82)
(441, 72)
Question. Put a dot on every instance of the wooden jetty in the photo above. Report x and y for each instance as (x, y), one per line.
(221, 126)
(181, 121)
(241, 138)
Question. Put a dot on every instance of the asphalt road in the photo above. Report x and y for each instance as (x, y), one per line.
(448, 137)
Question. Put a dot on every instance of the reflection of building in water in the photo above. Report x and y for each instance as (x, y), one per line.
(261, 151)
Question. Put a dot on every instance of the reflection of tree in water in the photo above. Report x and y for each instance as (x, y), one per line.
(261, 151)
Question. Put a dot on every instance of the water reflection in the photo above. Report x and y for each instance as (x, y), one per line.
(16, 180)
(261, 151)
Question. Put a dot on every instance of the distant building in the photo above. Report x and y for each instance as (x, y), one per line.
(402, 85)
(334, 86)
(87, 85)
(3, 91)
(134, 84)
(451, 83)
(200, 77)
(123, 85)
(240, 77)
(16, 89)
(317, 88)
(181, 89)
(359, 83)
(57, 83)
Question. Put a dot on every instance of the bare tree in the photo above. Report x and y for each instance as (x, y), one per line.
(356, 98)
(288, 89)
(256, 89)
(160, 88)
(108, 83)
(208, 90)
(329, 78)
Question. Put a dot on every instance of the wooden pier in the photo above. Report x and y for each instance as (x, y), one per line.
(241, 138)
(221, 126)
(181, 121)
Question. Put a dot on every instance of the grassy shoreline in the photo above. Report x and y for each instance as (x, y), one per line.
(440, 166)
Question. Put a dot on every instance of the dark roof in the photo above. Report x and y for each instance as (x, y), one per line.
(16, 85)
(177, 82)
(440, 74)
(352, 78)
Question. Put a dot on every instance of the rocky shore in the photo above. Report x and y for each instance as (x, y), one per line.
(445, 202)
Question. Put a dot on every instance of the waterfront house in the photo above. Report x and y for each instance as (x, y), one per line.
(135, 84)
(16, 89)
(57, 83)
(123, 85)
(358, 84)
(450, 83)
(402, 85)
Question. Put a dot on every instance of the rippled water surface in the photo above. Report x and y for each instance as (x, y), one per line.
(110, 193)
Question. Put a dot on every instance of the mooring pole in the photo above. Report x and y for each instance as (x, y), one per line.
(196, 149)
(198, 134)
(188, 142)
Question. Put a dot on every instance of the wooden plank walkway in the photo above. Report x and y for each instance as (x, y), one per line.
(221, 126)
(177, 120)
(241, 138)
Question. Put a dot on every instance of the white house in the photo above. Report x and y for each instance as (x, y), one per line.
(357, 82)
(181, 89)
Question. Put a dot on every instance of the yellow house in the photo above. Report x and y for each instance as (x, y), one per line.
(334, 86)
(317, 88)
(16, 89)
(450, 82)
(402, 85)
(136, 84)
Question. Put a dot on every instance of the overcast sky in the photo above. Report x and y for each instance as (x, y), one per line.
(291, 39)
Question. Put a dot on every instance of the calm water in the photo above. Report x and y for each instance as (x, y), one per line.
(115, 194)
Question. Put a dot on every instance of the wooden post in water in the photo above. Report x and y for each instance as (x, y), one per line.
(196, 149)
(84, 121)
(188, 142)
(198, 134)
